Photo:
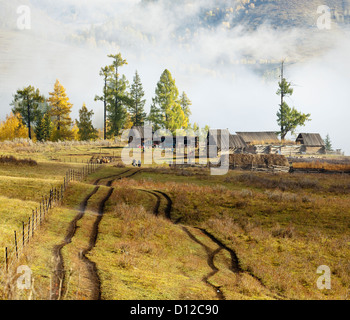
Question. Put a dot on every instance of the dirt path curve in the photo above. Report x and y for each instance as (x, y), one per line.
(235, 266)
(97, 181)
(210, 253)
(157, 205)
(210, 260)
(58, 285)
(169, 204)
(91, 266)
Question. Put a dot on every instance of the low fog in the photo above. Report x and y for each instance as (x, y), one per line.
(230, 72)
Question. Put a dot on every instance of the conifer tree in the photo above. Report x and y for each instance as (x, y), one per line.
(43, 130)
(137, 103)
(288, 118)
(166, 110)
(118, 99)
(185, 104)
(26, 102)
(60, 112)
(106, 73)
(86, 129)
(328, 143)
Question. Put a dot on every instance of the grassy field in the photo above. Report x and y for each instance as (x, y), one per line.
(167, 233)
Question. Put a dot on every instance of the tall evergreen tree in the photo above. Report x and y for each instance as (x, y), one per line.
(288, 118)
(155, 116)
(86, 129)
(137, 103)
(43, 130)
(166, 110)
(328, 143)
(118, 98)
(60, 111)
(26, 102)
(185, 104)
(106, 73)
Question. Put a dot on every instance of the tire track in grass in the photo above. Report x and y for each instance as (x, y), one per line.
(235, 266)
(169, 206)
(156, 207)
(210, 261)
(119, 177)
(97, 181)
(58, 285)
(91, 266)
(210, 253)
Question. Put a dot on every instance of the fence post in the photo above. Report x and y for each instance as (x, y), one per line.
(23, 233)
(40, 214)
(6, 260)
(33, 224)
(16, 245)
(28, 228)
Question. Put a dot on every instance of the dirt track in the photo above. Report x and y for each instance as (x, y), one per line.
(58, 287)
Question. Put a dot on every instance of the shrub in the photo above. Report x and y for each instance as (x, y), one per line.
(13, 160)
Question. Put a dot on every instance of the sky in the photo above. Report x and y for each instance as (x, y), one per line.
(69, 40)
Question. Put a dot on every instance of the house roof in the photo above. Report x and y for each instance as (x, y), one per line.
(237, 142)
(263, 136)
(310, 139)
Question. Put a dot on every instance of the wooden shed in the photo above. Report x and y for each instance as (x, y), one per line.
(311, 143)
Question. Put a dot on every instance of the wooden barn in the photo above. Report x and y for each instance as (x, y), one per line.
(311, 143)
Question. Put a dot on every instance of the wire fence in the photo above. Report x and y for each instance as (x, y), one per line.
(23, 236)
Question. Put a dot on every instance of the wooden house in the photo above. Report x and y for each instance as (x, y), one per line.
(259, 142)
(311, 143)
(237, 144)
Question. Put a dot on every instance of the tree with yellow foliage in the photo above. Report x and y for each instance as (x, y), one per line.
(13, 128)
(60, 112)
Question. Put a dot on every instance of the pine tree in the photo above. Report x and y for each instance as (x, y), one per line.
(26, 102)
(44, 128)
(328, 143)
(118, 98)
(106, 73)
(288, 118)
(166, 110)
(137, 103)
(185, 104)
(86, 129)
(155, 116)
(60, 111)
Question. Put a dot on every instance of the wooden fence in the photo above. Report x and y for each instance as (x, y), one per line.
(22, 237)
